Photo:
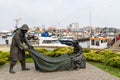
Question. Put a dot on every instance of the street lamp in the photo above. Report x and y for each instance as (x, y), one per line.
(17, 22)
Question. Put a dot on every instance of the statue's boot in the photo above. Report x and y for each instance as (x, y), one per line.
(24, 66)
(12, 64)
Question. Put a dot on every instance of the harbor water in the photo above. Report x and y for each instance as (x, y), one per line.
(2, 40)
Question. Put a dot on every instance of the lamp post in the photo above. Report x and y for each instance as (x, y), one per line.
(17, 22)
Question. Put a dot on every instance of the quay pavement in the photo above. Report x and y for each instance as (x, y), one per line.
(90, 73)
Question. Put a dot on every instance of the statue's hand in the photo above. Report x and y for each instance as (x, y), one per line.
(31, 47)
(72, 57)
(68, 53)
(26, 48)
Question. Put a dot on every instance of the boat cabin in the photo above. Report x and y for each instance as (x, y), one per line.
(98, 42)
(67, 40)
(50, 42)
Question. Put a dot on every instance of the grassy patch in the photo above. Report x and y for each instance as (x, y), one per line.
(111, 70)
(29, 60)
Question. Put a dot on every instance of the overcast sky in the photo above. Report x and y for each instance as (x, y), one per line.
(104, 13)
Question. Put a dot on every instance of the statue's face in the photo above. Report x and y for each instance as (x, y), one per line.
(74, 42)
(24, 31)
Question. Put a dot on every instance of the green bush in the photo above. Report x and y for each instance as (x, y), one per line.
(44, 51)
(4, 54)
(108, 54)
(41, 50)
(114, 62)
(60, 51)
(107, 57)
(86, 50)
(56, 52)
(50, 53)
(4, 57)
(2, 61)
(1, 52)
(64, 50)
(92, 56)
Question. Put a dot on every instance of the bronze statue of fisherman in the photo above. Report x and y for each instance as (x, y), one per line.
(17, 49)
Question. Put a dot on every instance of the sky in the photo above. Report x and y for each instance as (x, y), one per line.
(59, 13)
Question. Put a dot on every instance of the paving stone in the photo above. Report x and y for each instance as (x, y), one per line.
(90, 73)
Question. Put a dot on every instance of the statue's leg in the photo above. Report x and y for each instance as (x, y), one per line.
(23, 65)
(83, 63)
(12, 64)
(73, 65)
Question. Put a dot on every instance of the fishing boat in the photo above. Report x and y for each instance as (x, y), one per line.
(67, 40)
(98, 42)
(49, 42)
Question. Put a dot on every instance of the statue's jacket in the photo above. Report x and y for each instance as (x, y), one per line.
(17, 51)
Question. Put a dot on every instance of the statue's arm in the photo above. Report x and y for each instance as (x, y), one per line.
(18, 41)
(27, 42)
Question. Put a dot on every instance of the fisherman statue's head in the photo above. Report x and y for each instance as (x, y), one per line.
(24, 28)
(75, 42)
